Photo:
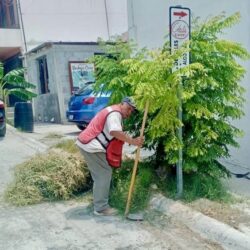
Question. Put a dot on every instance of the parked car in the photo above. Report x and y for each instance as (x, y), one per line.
(85, 104)
(2, 119)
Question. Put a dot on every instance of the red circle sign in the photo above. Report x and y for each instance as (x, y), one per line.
(180, 29)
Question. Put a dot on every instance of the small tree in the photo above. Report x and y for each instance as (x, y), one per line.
(18, 85)
(212, 95)
(214, 98)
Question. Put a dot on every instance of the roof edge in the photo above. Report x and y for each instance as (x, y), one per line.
(50, 44)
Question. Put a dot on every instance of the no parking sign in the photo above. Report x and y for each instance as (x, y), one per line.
(179, 33)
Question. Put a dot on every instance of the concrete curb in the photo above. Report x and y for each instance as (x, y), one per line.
(209, 228)
(34, 144)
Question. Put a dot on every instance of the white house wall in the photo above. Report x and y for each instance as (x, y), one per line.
(148, 23)
(10, 38)
(63, 54)
(45, 106)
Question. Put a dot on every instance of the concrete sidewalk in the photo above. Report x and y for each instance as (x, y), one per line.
(48, 134)
(207, 227)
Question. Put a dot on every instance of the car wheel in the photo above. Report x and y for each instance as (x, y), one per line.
(3, 131)
(81, 127)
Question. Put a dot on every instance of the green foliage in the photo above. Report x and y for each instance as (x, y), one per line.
(196, 185)
(109, 68)
(14, 83)
(211, 94)
(213, 98)
(121, 182)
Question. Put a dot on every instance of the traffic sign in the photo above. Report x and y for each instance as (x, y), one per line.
(179, 33)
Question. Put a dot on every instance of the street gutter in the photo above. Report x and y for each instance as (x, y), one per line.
(207, 227)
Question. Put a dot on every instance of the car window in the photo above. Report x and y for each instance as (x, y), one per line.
(86, 90)
(101, 92)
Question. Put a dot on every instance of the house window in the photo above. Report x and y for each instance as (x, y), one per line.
(8, 14)
(80, 73)
(43, 75)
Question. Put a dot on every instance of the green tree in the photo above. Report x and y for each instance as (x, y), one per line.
(17, 85)
(214, 98)
(211, 94)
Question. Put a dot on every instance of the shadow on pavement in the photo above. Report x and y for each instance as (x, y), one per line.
(72, 133)
(79, 213)
(86, 213)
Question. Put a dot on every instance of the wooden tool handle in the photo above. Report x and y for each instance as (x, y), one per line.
(137, 157)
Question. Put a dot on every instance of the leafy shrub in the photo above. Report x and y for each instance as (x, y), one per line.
(121, 184)
(196, 185)
(14, 83)
(211, 94)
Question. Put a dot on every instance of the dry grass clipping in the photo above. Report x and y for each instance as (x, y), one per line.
(56, 175)
(68, 146)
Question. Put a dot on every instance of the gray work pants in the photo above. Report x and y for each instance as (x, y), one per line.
(101, 174)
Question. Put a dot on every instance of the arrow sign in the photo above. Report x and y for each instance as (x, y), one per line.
(179, 25)
(181, 14)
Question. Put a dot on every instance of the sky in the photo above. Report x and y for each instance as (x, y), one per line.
(72, 21)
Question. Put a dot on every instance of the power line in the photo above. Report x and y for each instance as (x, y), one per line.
(238, 165)
(107, 18)
(22, 26)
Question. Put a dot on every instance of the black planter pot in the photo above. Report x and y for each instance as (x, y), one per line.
(23, 118)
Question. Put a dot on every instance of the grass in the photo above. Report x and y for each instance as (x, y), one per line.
(68, 146)
(195, 186)
(56, 175)
(53, 135)
(61, 174)
(121, 183)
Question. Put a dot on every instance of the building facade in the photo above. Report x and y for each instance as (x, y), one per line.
(50, 67)
(11, 42)
(10, 32)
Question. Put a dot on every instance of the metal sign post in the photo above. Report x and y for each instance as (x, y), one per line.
(179, 33)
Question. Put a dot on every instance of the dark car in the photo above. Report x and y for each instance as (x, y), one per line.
(2, 119)
(85, 104)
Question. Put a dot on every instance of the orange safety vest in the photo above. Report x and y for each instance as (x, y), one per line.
(95, 128)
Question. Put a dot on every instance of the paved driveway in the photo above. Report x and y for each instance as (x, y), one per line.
(14, 149)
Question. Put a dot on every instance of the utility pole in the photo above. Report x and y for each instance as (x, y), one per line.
(21, 25)
(24, 49)
(107, 18)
